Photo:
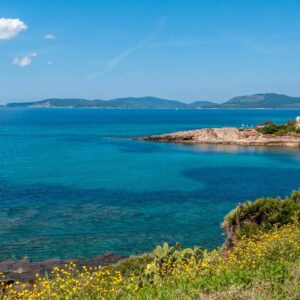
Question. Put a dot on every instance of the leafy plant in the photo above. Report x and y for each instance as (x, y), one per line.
(166, 260)
(263, 214)
(270, 127)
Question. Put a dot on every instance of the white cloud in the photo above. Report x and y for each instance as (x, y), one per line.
(49, 36)
(49, 62)
(10, 28)
(24, 60)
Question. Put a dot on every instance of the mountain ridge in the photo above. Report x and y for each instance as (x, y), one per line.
(266, 100)
(262, 100)
(128, 102)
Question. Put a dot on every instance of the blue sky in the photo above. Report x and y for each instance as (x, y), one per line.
(181, 49)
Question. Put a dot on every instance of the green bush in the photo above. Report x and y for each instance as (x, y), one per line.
(262, 214)
(269, 127)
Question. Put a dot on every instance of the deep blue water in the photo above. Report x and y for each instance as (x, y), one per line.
(73, 185)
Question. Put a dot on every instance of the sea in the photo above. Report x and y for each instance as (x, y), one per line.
(74, 184)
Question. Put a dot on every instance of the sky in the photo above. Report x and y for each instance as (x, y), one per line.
(188, 50)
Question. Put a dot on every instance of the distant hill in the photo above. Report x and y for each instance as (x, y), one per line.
(145, 102)
(57, 103)
(201, 104)
(130, 102)
(268, 100)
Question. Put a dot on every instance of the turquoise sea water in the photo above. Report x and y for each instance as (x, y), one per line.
(72, 183)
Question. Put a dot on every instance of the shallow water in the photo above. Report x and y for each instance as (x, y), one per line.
(72, 183)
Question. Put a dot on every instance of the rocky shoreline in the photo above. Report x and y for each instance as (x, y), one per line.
(25, 271)
(226, 136)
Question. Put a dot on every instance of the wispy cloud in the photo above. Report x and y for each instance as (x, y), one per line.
(177, 42)
(260, 48)
(113, 62)
(10, 28)
(50, 36)
(24, 61)
(266, 46)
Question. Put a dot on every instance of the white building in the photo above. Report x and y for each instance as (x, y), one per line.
(298, 122)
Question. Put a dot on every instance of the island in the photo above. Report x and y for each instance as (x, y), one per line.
(268, 134)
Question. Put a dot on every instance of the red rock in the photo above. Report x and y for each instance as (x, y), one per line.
(225, 136)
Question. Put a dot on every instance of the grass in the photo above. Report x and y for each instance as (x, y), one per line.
(263, 264)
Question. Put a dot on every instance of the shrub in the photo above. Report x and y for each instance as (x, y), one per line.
(270, 127)
(263, 214)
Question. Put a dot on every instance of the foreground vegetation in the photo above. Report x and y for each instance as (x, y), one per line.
(289, 128)
(261, 260)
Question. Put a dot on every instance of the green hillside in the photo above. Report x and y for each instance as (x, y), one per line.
(202, 104)
(131, 102)
(269, 100)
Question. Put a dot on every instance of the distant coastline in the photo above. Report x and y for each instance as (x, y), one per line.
(256, 101)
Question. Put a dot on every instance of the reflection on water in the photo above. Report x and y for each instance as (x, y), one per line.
(234, 149)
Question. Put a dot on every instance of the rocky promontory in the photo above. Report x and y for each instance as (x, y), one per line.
(226, 136)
